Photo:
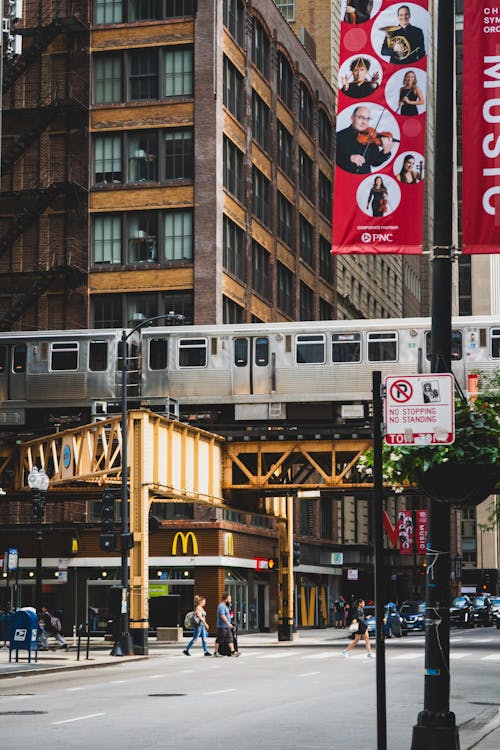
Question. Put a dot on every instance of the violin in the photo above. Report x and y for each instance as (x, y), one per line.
(383, 204)
(371, 135)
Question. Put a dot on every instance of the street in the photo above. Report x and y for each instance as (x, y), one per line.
(278, 697)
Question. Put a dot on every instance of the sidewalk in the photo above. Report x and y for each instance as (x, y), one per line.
(480, 734)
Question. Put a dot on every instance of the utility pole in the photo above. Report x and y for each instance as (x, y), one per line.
(436, 727)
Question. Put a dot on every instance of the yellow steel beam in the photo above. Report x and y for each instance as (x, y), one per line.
(288, 466)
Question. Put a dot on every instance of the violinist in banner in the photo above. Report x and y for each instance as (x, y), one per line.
(360, 147)
(358, 11)
(360, 87)
(378, 197)
(408, 174)
(404, 43)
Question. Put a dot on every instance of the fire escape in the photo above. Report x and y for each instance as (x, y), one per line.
(58, 185)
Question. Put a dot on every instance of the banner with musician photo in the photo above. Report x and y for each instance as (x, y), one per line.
(480, 129)
(378, 201)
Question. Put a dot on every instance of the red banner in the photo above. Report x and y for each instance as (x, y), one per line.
(379, 176)
(481, 129)
(421, 535)
(405, 532)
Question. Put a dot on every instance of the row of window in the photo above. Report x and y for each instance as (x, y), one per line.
(234, 177)
(130, 11)
(382, 346)
(143, 74)
(118, 310)
(142, 237)
(143, 156)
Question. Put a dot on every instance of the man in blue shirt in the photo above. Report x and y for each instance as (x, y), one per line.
(224, 628)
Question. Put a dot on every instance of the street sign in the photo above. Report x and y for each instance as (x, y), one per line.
(419, 409)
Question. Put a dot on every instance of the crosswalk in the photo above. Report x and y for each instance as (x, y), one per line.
(400, 654)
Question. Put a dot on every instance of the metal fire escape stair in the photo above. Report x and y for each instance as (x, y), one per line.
(43, 36)
(45, 117)
(42, 281)
(41, 199)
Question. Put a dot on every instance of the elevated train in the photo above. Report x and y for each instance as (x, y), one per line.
(283, 373)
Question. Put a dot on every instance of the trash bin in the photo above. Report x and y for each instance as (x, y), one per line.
(23, 633)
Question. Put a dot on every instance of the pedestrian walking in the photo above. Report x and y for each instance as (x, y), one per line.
(50, 625)
(201, 627)
(359, 628)
(234, 623)
(224, 627)
(339, 606)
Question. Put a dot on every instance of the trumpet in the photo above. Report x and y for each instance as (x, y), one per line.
(397, 42)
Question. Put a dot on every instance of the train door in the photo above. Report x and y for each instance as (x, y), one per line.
(17, 375)
(251, 365)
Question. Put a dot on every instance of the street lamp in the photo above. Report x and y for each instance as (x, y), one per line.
(124, 646)
(38, 482)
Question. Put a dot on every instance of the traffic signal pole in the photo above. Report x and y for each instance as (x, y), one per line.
(436, 728)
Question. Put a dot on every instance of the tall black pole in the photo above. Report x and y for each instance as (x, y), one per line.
(378, 535)
(39, 554)
(436, 728)
(125, 645)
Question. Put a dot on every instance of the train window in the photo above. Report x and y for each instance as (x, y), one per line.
(3, 359)
(241, 352)
(456, 345)
(98, 356)
(495, 343)
(261, 352)
(64, 355)
(346, 347)
(192, 353)
(310, 349)
(19, 358)
(383, 346)
(158, 350)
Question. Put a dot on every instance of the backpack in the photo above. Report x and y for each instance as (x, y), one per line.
(189, 621)
(56, 623)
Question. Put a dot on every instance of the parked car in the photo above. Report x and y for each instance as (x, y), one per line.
(412, 616)
(392, 622)
(461, 612)
(495, 605)
(482, 610)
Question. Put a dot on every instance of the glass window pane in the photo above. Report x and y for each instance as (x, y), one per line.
(143, 237)
(346, 347)
(107, 159)
(310, 349)
(108, 11)
(495, 343)
(179, 235)
(107, 239)
(107, 79)
(382, 347)
(64, 356)
(98, 356)
(179, 72)
(158, 350)
(19, 356)
(3, 359)
(262, 352)
(193, 353)
(241, 352)
(142, 156)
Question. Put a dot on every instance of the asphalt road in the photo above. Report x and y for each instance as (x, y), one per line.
(268, 698)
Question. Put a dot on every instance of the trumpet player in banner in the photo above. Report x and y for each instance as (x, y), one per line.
(403, 44)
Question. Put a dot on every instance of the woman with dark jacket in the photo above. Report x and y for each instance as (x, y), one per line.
(362, 631)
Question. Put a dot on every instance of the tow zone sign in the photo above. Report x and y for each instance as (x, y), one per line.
(419, 410)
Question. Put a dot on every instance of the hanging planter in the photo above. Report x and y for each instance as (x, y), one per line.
(458, 483)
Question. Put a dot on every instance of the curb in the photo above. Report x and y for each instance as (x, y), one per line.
(68, 668)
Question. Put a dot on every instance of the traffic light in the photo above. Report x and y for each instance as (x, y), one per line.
(107, 538)
(296, 554)
(272, 563)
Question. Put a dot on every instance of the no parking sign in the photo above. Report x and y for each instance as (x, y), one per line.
(419, 409)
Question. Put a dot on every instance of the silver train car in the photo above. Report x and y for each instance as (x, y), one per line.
(295, 373)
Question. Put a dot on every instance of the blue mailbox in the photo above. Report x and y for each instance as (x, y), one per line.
(23, 633)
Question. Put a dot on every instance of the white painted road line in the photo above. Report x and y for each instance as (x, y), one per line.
(460, 655)
(308, 674)
(491, 657)
(72, 690)
(219, 692)
(321, 655)
(408, 657)
(78, 718)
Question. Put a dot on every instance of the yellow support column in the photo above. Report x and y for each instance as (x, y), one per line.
(286, 588)
(139, 523)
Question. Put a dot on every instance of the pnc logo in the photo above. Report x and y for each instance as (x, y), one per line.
(185, 537)
(377, 237)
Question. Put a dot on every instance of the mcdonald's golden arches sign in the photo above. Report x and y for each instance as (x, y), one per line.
(185, 538)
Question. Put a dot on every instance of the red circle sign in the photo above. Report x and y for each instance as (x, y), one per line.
(401, 391)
